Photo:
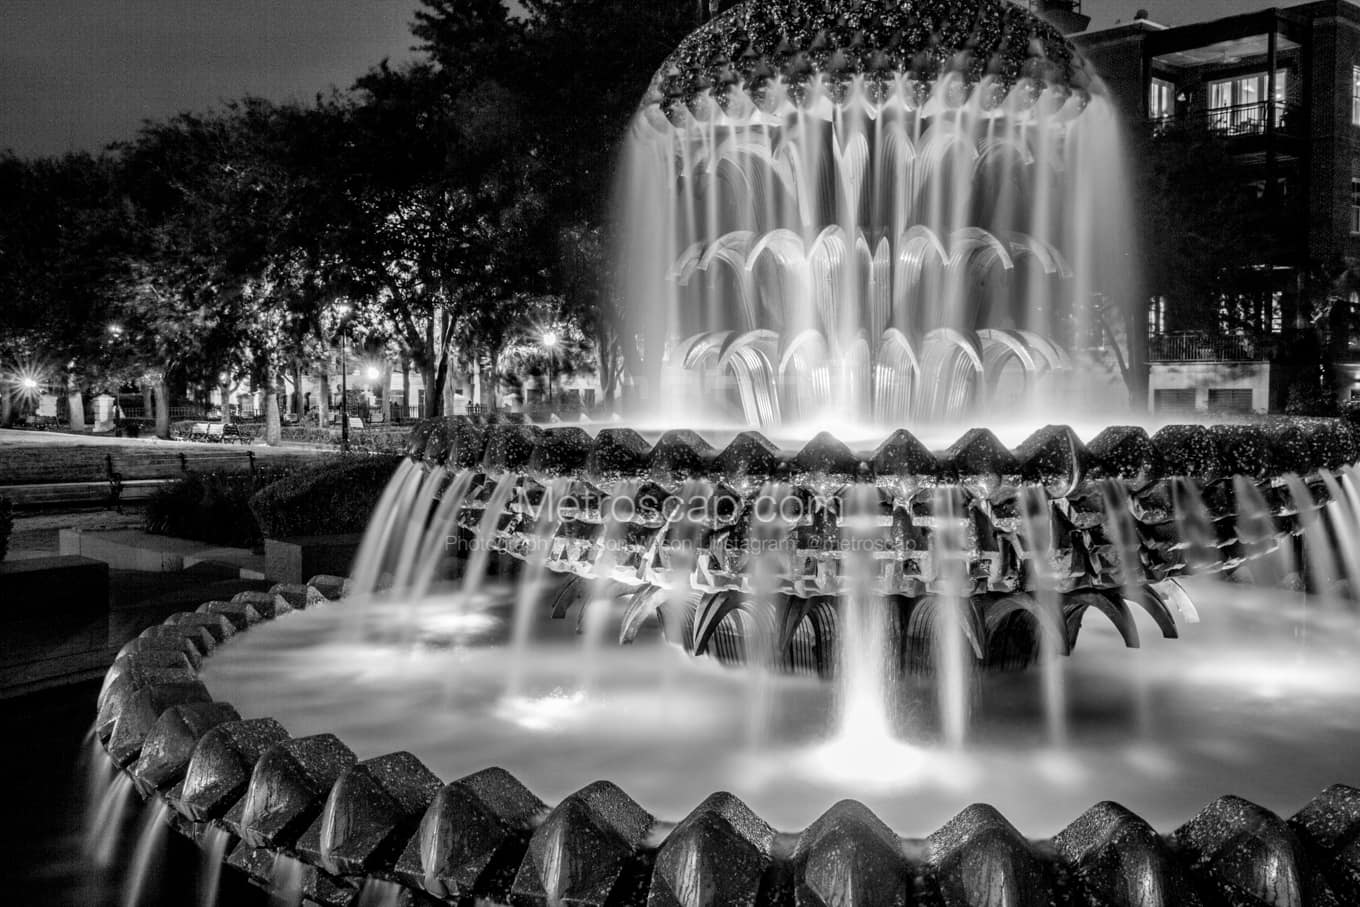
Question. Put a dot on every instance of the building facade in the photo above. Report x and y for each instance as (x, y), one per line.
(1281, 87)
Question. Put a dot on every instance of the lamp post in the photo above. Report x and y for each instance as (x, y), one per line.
(550, 344)
(344, 310)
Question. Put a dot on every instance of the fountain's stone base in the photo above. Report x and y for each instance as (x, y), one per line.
(303, 814)
(292, 560)
(1014, 546)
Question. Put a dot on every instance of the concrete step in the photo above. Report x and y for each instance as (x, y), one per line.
(132, 549)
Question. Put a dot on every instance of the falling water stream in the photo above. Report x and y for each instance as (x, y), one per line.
(286, 880)
(951, 657)
(475, 574)
(149, 853)
(530, 591)
(105, 831)
(215, 842)
(1048, 617)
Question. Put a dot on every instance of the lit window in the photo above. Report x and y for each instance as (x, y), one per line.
(1161, 100)
(1355, 95)
(1355, 206)
(1239, 105)
(1157, 315)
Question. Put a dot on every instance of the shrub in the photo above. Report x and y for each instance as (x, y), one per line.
(330, 499)
(310, 435)
(210, 507)
(371, 440)
(1304, 400)
(6, 525)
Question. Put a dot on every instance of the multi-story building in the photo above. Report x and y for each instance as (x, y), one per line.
(1281, 87)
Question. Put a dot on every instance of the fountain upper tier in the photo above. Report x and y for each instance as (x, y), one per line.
(892, 212)
(795, 43)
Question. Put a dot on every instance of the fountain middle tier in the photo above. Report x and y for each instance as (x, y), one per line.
(727, 548)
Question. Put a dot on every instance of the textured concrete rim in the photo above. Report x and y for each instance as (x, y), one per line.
(390, 821)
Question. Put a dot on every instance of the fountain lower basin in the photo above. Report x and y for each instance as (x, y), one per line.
(1267, 681)
(303, 816)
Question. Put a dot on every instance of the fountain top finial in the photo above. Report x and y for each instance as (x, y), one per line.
(758, 42)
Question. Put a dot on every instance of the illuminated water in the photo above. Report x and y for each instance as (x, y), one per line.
(1242, 703)
(904, 253)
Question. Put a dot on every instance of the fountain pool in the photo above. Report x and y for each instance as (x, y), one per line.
(1161, 730)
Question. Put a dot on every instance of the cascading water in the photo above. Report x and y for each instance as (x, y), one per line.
(475, 573)
(286, 880)
(148, 855)
(395, 501)
(947, 628)
(529, 595)
(887, 247)
(216, 841)
(106, 828)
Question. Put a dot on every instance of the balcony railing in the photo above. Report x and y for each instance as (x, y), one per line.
(1239, 120)
(1195, 347)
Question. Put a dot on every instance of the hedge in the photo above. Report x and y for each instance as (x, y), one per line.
(211, 507)
(330, 499)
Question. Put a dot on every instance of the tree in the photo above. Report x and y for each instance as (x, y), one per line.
(61, 236)
(450, 228)
(234, 214)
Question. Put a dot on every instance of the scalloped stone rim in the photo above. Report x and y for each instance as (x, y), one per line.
(390, 822)
(1052, 454)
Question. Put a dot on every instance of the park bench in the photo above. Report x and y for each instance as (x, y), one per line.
(146, 471)
(214, 432)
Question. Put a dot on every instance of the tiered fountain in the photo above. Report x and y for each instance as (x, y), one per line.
(839, 215)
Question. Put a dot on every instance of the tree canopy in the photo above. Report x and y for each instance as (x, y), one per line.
(445, 206)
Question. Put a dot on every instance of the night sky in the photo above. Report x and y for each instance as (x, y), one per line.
(77, 74)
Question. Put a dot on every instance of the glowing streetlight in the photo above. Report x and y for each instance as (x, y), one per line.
(116, 329)
(373, 373)
(29, 384)
(550, 339)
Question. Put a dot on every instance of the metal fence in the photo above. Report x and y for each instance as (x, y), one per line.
(1238, 120)
(1196, 347)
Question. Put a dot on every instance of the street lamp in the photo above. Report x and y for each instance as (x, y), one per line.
(343, 310)
(550, 341)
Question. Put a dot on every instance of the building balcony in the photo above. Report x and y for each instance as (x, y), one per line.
(1198, 347)
(1240, 120)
